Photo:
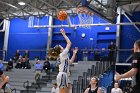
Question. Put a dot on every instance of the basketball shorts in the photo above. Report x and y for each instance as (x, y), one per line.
(62, 80)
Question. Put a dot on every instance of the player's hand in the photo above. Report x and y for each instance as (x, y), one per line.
(118, 76)
(62, 31)
(75, 50)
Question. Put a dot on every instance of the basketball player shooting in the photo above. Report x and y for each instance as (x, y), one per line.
(61, 54)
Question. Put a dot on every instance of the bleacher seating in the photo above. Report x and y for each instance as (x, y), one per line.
(100, 69)
(23, 80)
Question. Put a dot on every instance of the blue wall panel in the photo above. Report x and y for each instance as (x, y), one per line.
(1, 39)
(129, 35)
(21, 37)
(1, 43)
(94, 33)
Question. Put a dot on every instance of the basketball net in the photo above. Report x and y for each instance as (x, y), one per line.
(85, 17)
(31, 22)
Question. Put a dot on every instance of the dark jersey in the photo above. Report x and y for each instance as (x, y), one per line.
(136, 64)
(93, 91)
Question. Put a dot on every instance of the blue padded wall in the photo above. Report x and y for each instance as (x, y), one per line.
(1, 39)
(129, 35)
(21, 37)
(99, 35)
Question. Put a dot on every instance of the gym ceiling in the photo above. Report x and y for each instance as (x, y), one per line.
(39, 8)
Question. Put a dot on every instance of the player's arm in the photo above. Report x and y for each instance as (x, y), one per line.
(133, 71)
(86, 91)
(128, 74)
(66, 38)
(75, 50)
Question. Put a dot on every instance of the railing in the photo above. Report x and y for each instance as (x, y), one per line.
(85, 54)
(101, 70)
(102, 54)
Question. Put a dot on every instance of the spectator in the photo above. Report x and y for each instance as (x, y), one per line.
(1, 65)
(4, 86)
(16, 57)
(111, 53)
(135, 71)
(10, 65)
(116, 89)
(55, 88)
(23, 63)
(93, 86)
(38, 70)
(26, 54)
(46, 66)
(27, 64)
(20, 60)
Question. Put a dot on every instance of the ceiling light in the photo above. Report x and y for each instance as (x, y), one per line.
(21, 3)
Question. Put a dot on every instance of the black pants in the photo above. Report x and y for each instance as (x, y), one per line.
(136, 88)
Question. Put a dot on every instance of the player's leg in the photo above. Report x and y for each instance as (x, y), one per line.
(62, 81)
(70, 87)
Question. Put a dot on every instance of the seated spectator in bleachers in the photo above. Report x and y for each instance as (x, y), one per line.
(27, 64)
(38, 70)
(1, 65)
(55, 88)
(23, 63)
(46, 66)
(116, 89)
(93, 88)
(17, 55)
(9, 65)
(26, 54)
(19, 62)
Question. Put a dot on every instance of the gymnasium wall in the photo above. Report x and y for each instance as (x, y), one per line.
(129, 34)
(96, 35)
(21, 37)
(1, 38)
(24, 38)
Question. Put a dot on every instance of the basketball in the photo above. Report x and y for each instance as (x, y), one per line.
(62, 15)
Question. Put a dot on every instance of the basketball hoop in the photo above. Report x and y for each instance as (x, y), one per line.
(85, 17)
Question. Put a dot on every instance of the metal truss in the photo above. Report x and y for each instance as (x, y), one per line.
(39, 8)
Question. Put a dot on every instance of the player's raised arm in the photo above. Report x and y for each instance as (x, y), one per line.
(66, 38)
(75, 50)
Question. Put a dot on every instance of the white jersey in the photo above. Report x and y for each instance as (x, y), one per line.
(118, 90)
(64, 61)
(55, 90)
